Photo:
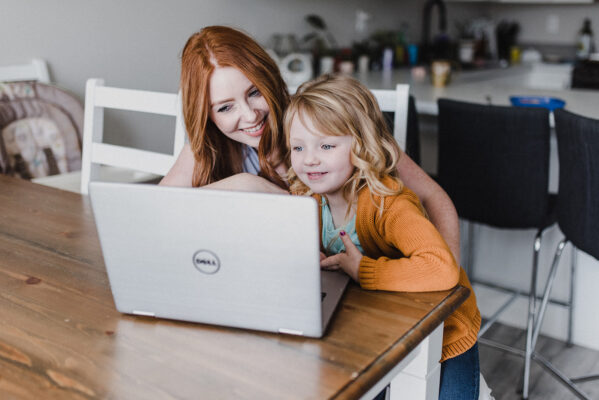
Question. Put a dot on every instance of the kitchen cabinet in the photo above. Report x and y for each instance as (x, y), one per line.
(524, 1)
(546, 1)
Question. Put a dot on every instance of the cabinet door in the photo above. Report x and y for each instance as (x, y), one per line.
(524, 1)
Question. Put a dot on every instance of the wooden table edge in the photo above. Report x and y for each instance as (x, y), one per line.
(394, 354)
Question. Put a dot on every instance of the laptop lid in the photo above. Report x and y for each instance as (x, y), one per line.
(239, 259)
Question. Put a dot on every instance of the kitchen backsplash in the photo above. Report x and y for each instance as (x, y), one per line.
(547, 24)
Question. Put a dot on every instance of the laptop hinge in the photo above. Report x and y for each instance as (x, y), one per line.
(291, 331)
(144, 313)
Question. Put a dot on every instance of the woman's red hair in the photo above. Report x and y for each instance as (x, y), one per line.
(216, 155)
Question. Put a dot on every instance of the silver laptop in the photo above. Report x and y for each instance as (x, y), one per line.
(247, 260)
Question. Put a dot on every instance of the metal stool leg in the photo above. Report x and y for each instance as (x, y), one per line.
(532, 305)
(573, 265)
(540, 313)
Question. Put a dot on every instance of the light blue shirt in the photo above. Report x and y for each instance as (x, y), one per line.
(251, 164)
(330, 235)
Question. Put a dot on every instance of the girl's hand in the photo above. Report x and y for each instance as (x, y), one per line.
(348, 261)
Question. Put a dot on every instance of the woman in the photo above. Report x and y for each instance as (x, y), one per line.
(233, 103)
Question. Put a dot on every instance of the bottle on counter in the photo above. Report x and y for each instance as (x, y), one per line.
(585, 40)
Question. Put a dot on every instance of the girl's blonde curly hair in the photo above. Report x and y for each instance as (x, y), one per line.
(337, 106)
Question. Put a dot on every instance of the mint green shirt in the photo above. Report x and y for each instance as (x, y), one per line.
(330, 235)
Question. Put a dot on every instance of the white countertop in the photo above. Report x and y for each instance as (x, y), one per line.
(496, 85)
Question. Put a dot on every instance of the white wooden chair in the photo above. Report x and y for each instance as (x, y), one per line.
(396, 101)
(108, 162)
(36, 70)
(96, 153)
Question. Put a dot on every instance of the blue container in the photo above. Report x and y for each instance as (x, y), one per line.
(412, 54)
(551, 103)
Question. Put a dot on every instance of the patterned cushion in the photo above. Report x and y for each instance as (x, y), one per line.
(40, 130)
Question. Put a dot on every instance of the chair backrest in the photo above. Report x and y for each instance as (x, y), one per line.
(37, 70)
(578, 195)
(494, 163)
(97, 98)
(396, 101)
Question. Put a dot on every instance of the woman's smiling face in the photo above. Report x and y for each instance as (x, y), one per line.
(237, 107)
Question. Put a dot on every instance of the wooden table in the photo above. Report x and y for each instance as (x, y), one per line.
(62, 338)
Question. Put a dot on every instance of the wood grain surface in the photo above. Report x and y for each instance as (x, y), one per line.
(62, 338)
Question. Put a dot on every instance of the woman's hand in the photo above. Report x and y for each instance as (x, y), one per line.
(348, 261)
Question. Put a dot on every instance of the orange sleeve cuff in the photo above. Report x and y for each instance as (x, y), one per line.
(367, 273)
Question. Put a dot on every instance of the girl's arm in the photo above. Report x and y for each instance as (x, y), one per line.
(437, 203)
(182, 171)
(427, 265)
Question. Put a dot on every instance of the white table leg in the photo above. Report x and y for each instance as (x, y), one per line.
(420, 378)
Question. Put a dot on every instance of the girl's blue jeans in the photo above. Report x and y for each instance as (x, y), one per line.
(460, 377)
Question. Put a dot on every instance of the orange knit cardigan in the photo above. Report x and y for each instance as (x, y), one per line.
(404, 252)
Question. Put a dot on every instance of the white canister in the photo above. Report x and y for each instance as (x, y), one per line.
(363, 63)
(327, 64)
(387, 59)
(466, 51)
(346, 67)
(296, 68)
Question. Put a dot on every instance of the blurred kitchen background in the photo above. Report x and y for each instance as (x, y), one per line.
(137, 43)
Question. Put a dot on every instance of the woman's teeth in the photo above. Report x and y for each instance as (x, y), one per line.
(255, 128)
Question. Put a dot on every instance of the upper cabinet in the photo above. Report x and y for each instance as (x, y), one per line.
(546, 1)
(524, 1)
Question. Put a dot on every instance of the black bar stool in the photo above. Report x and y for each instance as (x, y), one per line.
(578, 219)
(494, 164)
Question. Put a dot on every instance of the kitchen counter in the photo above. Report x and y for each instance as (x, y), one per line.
(492, 85)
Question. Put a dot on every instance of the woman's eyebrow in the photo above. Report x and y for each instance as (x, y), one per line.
(252, 86)
(216, 103)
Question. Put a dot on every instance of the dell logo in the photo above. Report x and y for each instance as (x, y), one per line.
(206, 261)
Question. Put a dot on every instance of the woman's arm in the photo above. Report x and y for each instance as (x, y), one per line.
(437, 203)
(182, 171)
(246, 182)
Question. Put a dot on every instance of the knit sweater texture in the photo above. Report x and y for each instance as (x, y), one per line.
(404, 252)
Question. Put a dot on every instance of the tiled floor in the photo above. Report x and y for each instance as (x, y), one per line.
(503, 371)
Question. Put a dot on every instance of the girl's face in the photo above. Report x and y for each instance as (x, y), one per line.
(321, 162)
(237, 107)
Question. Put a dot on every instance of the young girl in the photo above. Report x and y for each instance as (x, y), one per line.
(373, 227)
